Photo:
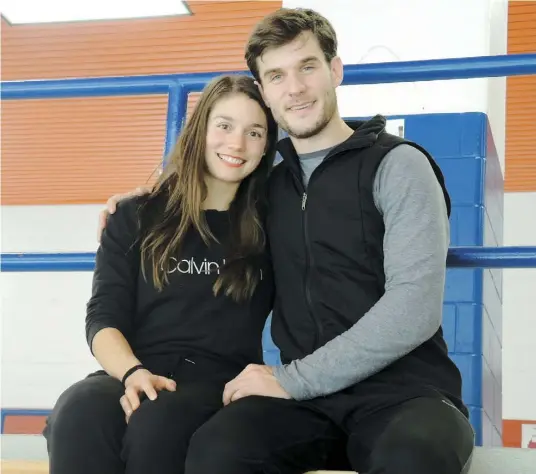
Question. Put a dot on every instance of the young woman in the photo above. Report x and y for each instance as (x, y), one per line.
(181, 291)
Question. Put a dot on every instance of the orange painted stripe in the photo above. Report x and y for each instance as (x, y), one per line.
(24, 424)
(80, 151)
(512, 434)
(520, 169)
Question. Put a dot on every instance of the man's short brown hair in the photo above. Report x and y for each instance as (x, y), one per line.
(285, 25)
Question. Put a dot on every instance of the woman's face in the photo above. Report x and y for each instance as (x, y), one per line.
(237, 132)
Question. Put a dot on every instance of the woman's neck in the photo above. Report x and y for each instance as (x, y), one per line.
(219, 194)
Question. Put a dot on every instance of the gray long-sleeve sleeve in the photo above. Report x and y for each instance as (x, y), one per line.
(416, 242)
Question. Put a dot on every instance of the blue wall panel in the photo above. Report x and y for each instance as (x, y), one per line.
(464, 148)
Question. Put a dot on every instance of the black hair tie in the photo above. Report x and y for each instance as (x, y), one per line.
(130, 371)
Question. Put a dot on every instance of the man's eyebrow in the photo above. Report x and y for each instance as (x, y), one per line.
(309, 59)
(230, 119)
(306, 60)
(269, 72)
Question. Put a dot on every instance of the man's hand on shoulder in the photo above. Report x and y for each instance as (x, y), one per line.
(254, 380)
(111, 206)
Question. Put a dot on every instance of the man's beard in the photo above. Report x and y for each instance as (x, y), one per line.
(324, 119)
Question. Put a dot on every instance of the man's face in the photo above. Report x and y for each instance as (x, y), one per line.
(299, 85)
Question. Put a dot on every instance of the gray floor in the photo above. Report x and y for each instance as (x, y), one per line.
(485, 461)
(26, 447)
(503, 461)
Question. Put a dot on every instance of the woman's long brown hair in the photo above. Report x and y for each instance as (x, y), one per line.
(181, 191)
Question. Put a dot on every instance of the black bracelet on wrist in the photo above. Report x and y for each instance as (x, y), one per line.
(130, 371)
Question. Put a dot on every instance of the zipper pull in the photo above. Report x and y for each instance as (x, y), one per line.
(303, 201)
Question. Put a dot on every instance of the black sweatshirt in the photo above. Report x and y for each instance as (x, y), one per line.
(184, 320)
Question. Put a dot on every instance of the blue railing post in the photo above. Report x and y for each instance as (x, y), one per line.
(176, 113)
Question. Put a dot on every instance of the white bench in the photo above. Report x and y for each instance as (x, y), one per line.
(485, 460)
(491, 461)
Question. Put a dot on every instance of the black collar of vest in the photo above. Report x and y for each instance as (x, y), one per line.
(365, 134)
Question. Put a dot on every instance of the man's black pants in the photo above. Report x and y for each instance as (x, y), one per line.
(257, 435)
(187, 431)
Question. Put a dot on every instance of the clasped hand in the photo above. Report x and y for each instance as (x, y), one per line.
(143, 381)
(254, 380)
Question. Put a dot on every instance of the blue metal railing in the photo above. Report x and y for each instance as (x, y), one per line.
(458, 257)
(178, 86)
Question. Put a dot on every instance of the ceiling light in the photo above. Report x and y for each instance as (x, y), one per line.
(59, 11)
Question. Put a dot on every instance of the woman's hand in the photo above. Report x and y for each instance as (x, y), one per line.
(143, 381)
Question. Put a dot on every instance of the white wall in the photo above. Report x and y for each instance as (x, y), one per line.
(497, 37)
(42, 342)
(519, 313)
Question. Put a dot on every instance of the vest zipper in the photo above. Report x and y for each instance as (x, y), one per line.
(319, 333)
(308, 256)
(308, 260)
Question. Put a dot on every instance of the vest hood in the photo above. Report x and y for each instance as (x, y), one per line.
(365, 134)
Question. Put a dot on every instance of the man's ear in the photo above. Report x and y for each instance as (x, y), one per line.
(261, 90)
(337, 71)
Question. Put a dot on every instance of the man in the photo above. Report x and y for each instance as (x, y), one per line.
(358, 230)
